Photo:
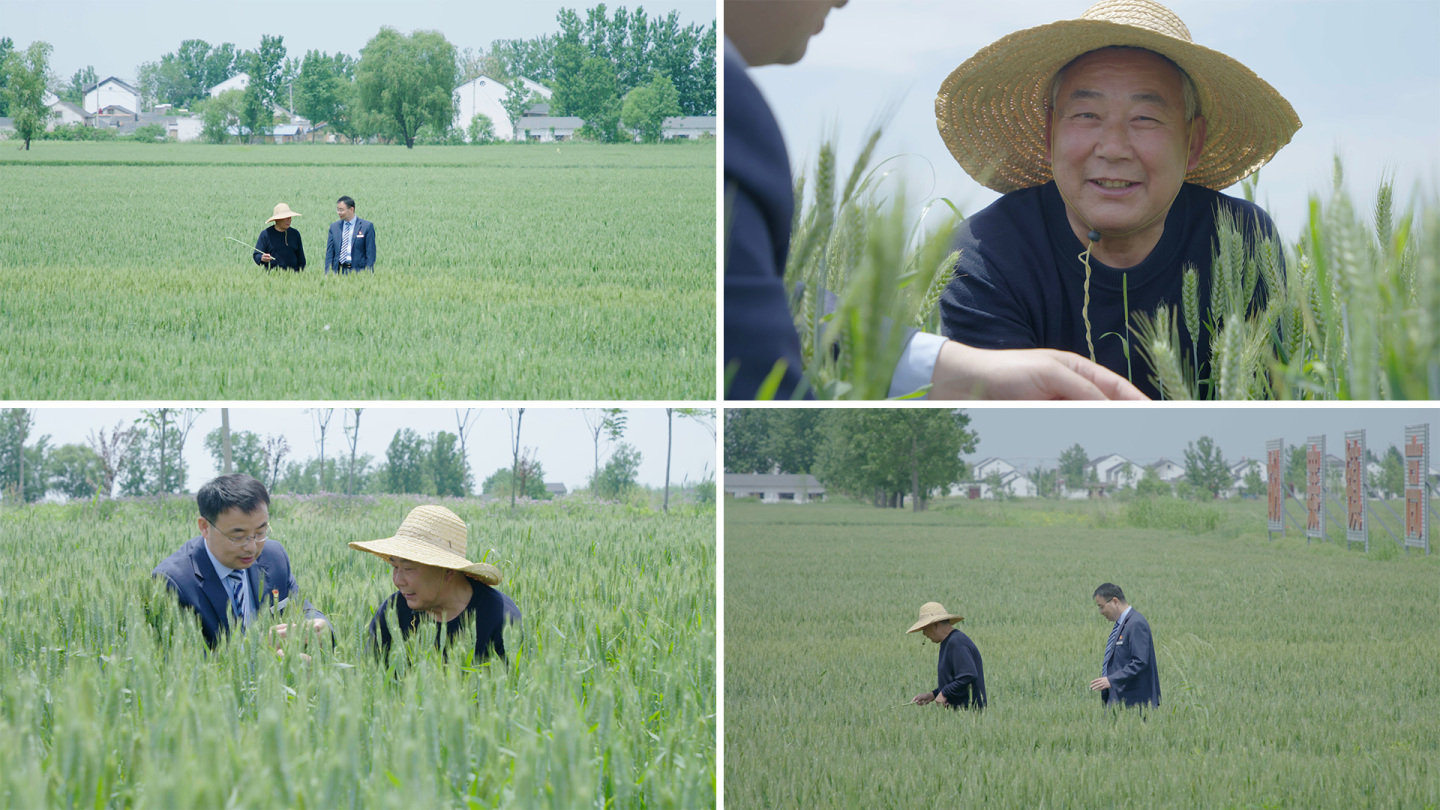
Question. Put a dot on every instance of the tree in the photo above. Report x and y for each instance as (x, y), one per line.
(482, 129)
(75, 471)
(996, 482)
(352, 435)
(1253, 486)
(517, 417)
(884, 453)
(1150, 485)
(187, 74)
(325, 90)
(322, 423)
(220, 113)
(446, 465)
(16, 460)
(257, 105)
(1072, 466)
(112, 450)
(516, 102)
(464, 423)
(647, 106)
(617, 477)
(173, 441)
(597, 101)
(247, 452)
(74, 92)
(27, 76)
(405, 462)
(1392, 473)
(705, 417)
(6, 46)
(1205, 468)
(409, 81)
(141, 470)
(531, 482)
(608, 423)
(276, 448)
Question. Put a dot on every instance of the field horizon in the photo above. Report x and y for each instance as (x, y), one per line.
(1292, 675)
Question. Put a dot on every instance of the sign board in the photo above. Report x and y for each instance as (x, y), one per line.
(1417, 499)
(1356, 526)
(1275, 484)
(1315, 487)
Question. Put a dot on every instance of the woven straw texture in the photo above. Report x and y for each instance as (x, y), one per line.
(282, 211)
(991, 110)
(432, 535)
(932, 612)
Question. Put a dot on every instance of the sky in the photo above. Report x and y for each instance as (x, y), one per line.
(563, 445)
(1029, 437)
(1363, 75)
(115, 36)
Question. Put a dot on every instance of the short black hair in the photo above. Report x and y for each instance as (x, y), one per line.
(1110, 591)
(349, 203)
(235, 491)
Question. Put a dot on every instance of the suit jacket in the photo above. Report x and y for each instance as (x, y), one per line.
(759, 204)
(194, 580)
(362, 245)
(1134, 678)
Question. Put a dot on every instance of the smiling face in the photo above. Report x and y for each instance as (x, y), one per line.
(282, 224)
(345, 212)
(1120, 144)
(420, 585)
(236, 538)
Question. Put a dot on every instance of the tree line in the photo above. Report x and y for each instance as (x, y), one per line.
(626, 69)
(146, 457)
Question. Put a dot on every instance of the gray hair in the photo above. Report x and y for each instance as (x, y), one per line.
(1188, 93)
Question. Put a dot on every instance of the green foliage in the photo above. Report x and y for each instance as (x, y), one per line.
(482, 129)
(27, 75)
(647, 106)
(220, 113)
(617, 477)
(1171, 513)
(860, 274)
(596, 101)
(1151, 485)
(1392, 472)
(6, 46)
(516, 102)
(150, 133)
(408, 81)
(498, 484)
(75, 471)
(74, 92)
(608, 697)
(1072, 466)
(618, 242)
(1205, 467)
(1247, 632)
(247, 452)
(879, 453)
(257, 102)
(1254, 485)
(187, 74)
(77, 132)
(325, 91)
(758, 440)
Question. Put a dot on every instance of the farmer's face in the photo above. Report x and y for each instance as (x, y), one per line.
(1120, 145)
(937, 632)
(420, 585)
(282, 224)
(1111, 610)
(344, 211)
(769, 32)
(236, 538)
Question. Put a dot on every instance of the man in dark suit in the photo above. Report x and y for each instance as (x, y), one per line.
(1129, 676)
(762, 349)
(351, 242)
(232, 569)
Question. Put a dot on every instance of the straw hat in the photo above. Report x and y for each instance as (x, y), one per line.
(992, 109)
(282, 211)
(432, 535)
(932, 612)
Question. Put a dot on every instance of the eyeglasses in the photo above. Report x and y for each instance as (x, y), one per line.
(257, 538)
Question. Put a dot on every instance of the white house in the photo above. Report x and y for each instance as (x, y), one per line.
(1014, 484)
(1115, 471)
(239, 81)
(687, 127)
(555, 490)
(65, 114)
(111, 92)
(485, 96)
(550, 128)
(991, 466)
(187, 129)
(780, 488)
(1168, 471)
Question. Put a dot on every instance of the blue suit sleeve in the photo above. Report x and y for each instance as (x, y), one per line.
(370, 246)
(1138, 643)
(759, 329)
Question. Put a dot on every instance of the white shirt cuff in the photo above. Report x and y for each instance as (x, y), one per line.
(917, 364)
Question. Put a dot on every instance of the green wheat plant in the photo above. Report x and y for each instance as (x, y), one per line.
(861, 274)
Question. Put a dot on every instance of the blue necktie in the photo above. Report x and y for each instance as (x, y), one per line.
(1110, 649)
(236, 595)
(348, 229)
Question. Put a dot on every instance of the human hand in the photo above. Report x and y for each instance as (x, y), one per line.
(923, 698)
(1099, 684)
(965, 372)
(266, 257)
(940, 700)
(280, 631)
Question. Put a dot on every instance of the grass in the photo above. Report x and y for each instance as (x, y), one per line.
(1291, 675)
(507, 272)
(108, 699)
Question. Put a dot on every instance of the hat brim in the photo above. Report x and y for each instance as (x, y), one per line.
(923, 623)
(287, 216)
(425, 554)
(991, 109)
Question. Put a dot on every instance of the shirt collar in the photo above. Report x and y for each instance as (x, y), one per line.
(1124, 613)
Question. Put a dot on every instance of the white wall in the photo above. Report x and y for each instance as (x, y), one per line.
(111, 93)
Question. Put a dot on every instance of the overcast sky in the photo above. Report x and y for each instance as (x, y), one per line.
(1363, 75)
(562, 442)
(1028, 437)
(117, 35)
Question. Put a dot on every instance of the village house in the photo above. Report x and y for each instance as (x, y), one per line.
(776, 488)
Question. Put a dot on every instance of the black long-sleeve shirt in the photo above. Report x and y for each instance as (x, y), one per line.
(286, 247)
(961, 672)
(488, 612)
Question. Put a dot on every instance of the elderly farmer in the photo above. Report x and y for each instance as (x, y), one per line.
(760, 336)
(962, 673)
(279, 245)
(436, 584)
(1128, 672)
(1110, 137)
(233, 570)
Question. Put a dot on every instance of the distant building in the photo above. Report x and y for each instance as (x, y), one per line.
(66, 114)
(111, 92)
(780, 488)
(239, 81)
(549, 128)
(1116, 471)
(555, 490)
(689, 127)
(485, 96)
(1167, 470)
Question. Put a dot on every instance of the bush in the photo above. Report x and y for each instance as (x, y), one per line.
(78, 132)
(1169, 513)
(150, 133)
